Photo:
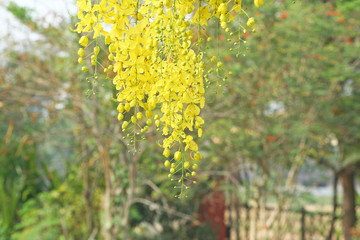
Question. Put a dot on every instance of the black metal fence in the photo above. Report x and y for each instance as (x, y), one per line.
(273, 223)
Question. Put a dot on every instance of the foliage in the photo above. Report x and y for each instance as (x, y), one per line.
(56, 214)
(19, 180)
(292, 100)
(21, 13)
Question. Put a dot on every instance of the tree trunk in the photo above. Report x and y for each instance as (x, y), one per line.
(108, 219)
(130, 196)
(347, 177)
(335, 204)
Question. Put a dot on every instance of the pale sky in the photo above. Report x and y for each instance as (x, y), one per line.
(11, 29)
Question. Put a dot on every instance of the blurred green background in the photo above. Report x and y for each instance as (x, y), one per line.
(281, 140)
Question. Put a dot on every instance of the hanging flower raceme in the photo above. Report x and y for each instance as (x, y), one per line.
(157, 59)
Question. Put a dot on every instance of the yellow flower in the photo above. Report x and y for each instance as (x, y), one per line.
(150, 49)
(166, 152)
(120, 116)
(84, 41)
(258, 3)
(177, 156)
(197, 156)
(125, 124)
(81, 52)
(186, 165)
(250, 22)
(201, 16)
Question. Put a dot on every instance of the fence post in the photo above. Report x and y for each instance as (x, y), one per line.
(247, 227)
(237, 217)
(303, 213)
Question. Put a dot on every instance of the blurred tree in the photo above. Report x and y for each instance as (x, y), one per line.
(294, 96)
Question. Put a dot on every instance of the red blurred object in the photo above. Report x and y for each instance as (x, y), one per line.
(247, 34)
(227, 58)
(271, 138)
(212, 209)
(333, 13)
(348, 40)
(317, 57)
(337, 111)
(354, 233)
(342, 20)
(284, 15)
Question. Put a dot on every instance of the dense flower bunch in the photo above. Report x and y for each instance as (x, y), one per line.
(158, 63)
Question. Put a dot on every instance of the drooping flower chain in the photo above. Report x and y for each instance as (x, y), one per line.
(155, 63)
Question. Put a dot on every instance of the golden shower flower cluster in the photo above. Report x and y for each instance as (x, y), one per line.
(157, 64)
